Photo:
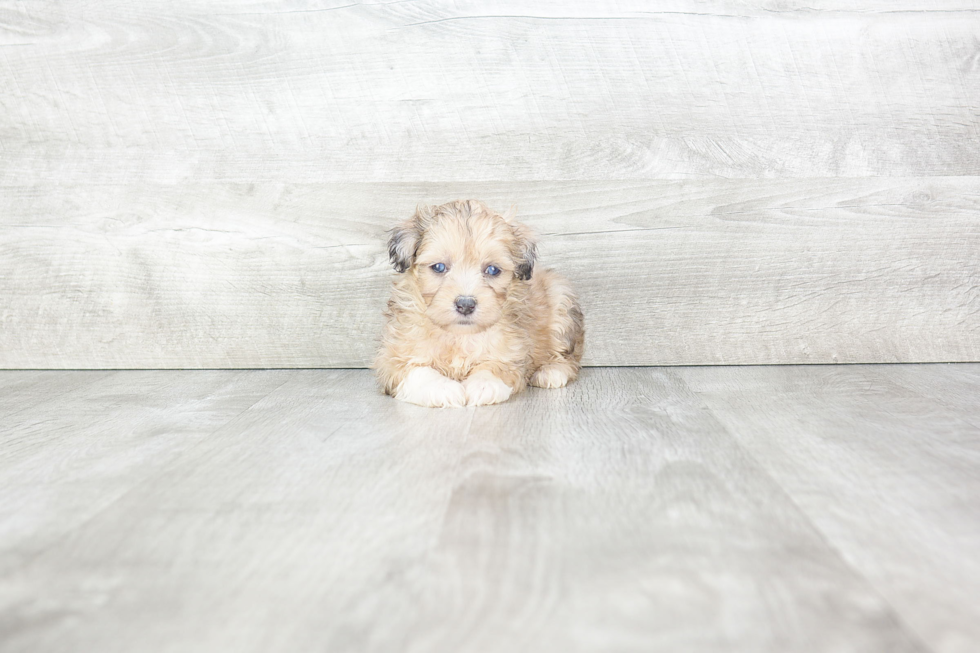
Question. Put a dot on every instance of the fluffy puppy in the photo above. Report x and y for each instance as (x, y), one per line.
(470, 321)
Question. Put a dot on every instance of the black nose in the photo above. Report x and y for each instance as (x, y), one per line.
(465, 305)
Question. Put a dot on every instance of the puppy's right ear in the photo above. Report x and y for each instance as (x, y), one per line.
(403, 240)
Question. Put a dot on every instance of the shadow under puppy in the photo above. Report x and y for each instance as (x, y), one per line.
(470, 321)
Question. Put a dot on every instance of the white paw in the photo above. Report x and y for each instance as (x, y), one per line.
(550, 376)
(484, 388)
(426, 387)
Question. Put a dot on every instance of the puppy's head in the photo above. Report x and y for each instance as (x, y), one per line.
(464, 259)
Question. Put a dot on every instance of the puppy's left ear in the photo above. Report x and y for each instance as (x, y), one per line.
(526, 252)
(403, 240)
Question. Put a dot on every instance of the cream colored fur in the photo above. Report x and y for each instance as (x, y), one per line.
(527, 327)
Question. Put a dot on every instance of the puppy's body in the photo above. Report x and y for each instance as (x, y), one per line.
(469, 321)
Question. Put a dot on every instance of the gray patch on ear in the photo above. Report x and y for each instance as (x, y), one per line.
(528, 254)
(403, 242)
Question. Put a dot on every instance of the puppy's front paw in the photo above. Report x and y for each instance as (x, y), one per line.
(484, 388)
(426, 387)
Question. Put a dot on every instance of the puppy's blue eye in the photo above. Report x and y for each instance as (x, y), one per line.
(492, 270)
(438, 268)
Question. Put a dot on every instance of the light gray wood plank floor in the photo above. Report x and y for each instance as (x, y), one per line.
(886, 462)
(640, 509)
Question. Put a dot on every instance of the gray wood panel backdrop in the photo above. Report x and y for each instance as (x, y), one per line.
(206, 183)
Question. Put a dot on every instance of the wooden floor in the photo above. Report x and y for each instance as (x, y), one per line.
(820, 508)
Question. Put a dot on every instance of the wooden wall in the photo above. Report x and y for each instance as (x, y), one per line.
(207, 183)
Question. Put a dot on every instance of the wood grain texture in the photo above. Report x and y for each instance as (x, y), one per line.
(205, 184)
(20, 391)
(616, 514)
(669, 272)
(886, 462)
(120, 92)
(123, 427)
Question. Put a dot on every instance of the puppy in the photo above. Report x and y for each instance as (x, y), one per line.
(470, 321)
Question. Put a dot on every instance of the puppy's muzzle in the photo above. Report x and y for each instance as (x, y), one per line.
(465, 305)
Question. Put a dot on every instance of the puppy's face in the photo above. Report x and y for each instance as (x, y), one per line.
(463, 259)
